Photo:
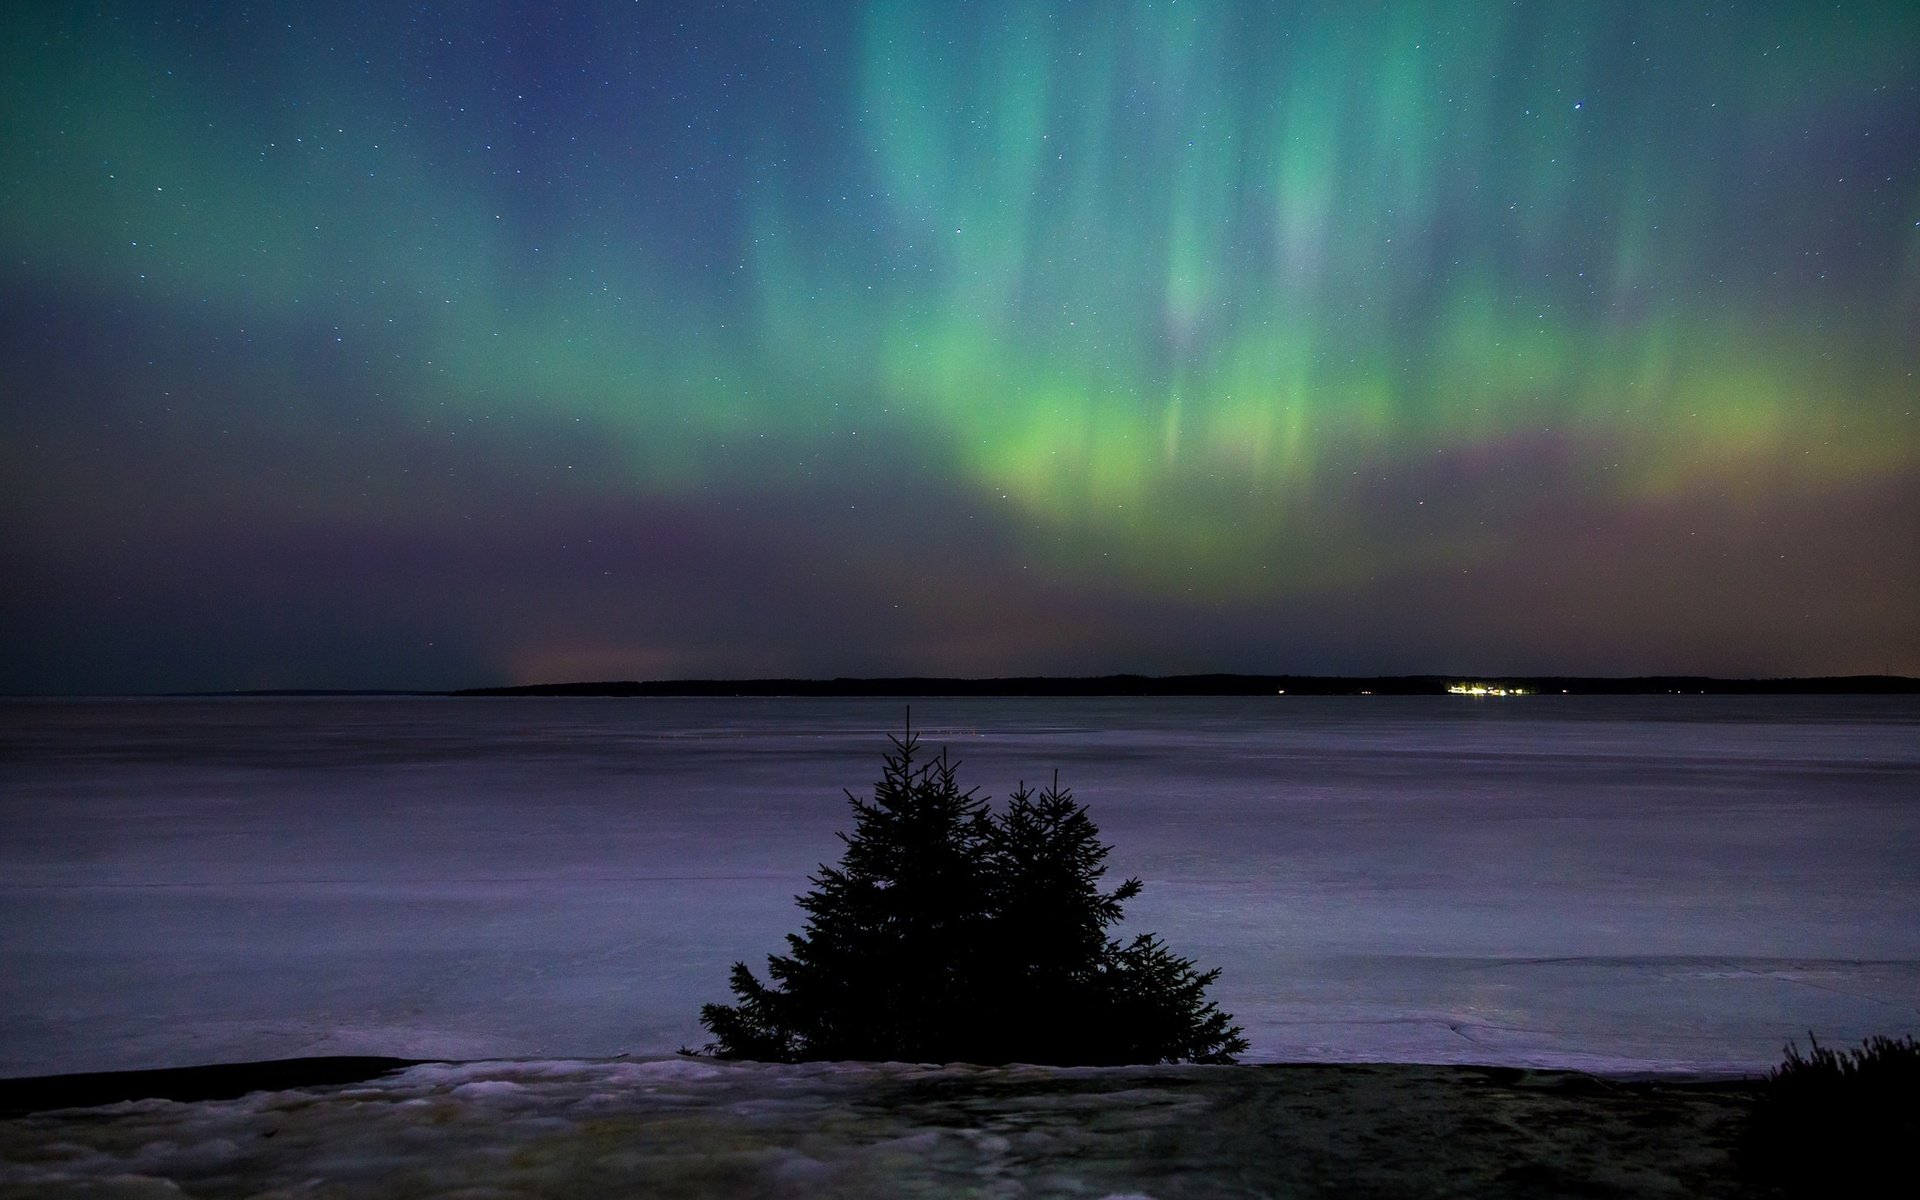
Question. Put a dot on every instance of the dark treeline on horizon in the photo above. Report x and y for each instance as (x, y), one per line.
(1220, 685)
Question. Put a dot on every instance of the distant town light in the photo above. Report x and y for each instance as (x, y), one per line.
(1484, 689)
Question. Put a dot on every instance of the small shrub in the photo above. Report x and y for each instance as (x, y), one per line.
(1838, 1123)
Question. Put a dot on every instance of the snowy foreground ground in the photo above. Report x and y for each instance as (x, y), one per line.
(680, 1127)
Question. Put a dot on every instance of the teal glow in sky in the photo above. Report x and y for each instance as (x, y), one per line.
(419, 345)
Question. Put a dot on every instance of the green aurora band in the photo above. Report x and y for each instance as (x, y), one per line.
(1180, 282)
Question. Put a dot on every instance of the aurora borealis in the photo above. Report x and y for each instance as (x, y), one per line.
(401, 345)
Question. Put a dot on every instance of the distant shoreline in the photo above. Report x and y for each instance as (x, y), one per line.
(1502, 686)
(1221, 685)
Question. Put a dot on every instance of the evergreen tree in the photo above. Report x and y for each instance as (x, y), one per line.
(1064, 991)
(1158, 1011)
(1049, 946)
(887, 964)
(949, 935)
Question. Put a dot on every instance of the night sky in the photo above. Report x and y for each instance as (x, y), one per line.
(399, 345)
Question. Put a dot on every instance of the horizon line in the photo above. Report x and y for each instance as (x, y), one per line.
(1210, 683)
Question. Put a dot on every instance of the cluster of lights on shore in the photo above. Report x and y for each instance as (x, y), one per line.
(1484, 689)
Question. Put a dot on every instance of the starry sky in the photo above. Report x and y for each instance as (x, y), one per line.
(432, 345)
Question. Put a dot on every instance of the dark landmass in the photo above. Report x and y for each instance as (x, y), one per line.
(296, 693)
(221, 1081)
(1225, 685)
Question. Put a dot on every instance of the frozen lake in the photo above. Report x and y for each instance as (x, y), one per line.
(1629, 884)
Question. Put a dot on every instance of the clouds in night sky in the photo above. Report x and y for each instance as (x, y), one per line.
(420, 345)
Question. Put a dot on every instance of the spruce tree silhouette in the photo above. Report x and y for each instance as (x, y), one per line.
(1064, 991)
(947, 934)
(887, 965)
(1049, 949)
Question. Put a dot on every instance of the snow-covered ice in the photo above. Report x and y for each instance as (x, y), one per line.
(1622, 884)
